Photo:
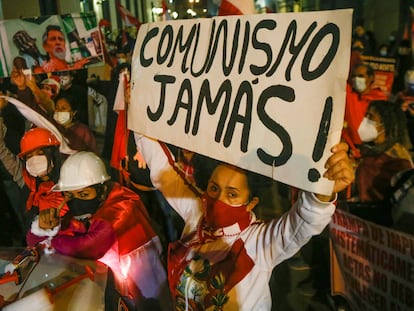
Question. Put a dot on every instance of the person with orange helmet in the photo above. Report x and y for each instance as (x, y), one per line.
(36, 168)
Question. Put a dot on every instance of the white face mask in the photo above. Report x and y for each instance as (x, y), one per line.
(368, 130)
(37, 165)
(62, 117)
(359, 84)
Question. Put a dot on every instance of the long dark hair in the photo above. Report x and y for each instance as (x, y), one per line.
(394, 122)
(71, 100)
(393, 119)
(54, 160)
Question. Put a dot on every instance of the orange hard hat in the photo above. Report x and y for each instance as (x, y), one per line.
(36, 138)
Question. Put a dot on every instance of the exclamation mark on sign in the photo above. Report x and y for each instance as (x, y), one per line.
(313, 174)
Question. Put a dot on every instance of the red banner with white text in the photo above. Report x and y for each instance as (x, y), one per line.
(384, 68)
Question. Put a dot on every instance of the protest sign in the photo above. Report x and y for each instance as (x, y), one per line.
(372, 266)
(384, 68)
(265, 92)
(24, 38)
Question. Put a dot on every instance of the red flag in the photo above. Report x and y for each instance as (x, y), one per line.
(165, 14)
(119, 149)
(127, 17)
(164, 7)
(236, 7)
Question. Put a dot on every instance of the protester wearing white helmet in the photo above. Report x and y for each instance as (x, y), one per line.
(109, 222)
(81, 170)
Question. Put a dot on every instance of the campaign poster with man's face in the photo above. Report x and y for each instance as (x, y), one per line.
(50, 43)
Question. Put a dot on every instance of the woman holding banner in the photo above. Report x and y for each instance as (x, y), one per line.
(225, 256)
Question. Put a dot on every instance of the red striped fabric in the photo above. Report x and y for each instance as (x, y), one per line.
(236, 7)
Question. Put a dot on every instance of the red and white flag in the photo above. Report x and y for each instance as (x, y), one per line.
(40, 121)
(236, 7)
(165, 15)
(119, 149)
(128, 19)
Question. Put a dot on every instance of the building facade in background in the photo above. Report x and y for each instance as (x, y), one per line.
(372, 13)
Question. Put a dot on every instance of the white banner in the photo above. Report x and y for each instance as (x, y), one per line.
(265, 92)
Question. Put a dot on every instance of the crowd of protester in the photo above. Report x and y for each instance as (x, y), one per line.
(67, 202)
(378, 128)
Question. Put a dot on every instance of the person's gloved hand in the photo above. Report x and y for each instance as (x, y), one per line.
(49, 200)
(45, 198)
(49, 203)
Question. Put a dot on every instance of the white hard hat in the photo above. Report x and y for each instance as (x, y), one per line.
(80, 170)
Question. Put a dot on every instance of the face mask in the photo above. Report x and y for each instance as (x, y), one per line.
(219, 214)
(37, 166)
(62, 117)
(368, 130)
(359, 84)
(78, 207)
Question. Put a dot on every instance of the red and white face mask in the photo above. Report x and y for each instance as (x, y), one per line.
(218, 214)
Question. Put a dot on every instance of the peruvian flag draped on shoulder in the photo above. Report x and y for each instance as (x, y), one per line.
(236, 7)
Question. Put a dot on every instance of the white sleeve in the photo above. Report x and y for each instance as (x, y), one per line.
(166, 179)
(280, 239)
